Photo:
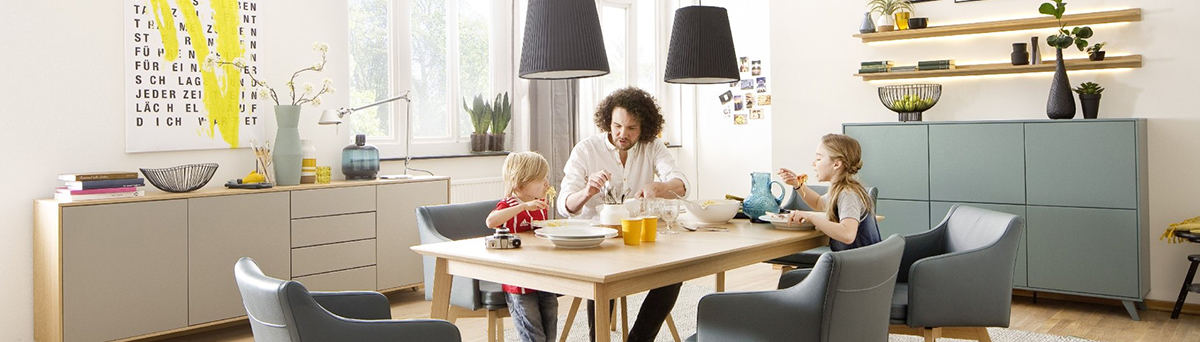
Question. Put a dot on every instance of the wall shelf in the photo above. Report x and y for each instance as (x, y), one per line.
(1112, 62)
(1117, 16)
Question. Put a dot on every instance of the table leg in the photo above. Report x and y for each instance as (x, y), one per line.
(600, 296)
(441, 290)
(720, 281)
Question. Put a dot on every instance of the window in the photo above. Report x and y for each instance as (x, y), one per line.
(635, 39)
(444, 51)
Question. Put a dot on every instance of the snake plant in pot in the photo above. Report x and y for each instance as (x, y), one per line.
(481, 118)
(501, 116)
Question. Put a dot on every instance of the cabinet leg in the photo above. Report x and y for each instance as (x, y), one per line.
(1132, 310)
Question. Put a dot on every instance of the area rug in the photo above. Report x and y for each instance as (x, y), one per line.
(684, 314)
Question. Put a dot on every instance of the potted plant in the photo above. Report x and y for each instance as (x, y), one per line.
(501, 115)
(1089, 98)
(1095, 53)
(887, 10)
(481, 117)
(1061, 105)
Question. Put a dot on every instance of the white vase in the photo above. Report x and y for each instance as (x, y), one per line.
(612, 214)
(885, 23)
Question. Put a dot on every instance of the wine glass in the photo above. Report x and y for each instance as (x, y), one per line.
(668, 211)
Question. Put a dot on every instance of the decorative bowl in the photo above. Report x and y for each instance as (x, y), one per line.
(713, 211)
(910, 100)
(182, 178)
(918, 23)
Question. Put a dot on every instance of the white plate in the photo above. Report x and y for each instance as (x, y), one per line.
(561, 223)
(576, 243)
(576, 233)
(782, 223)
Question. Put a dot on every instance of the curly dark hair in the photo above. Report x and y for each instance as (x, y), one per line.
(638, 103)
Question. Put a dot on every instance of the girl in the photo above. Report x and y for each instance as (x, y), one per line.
(848, 217)
(535, 313)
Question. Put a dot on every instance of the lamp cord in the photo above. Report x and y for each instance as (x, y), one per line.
(408, 135)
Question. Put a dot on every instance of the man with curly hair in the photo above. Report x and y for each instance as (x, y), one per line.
(627, 155)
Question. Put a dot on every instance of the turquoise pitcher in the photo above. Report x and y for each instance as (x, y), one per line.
(761, 199)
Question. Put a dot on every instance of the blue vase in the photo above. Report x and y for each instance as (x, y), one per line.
(761, 201)
(360, 161)
(287, 155)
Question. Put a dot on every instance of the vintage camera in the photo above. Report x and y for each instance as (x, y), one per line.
(503, 239)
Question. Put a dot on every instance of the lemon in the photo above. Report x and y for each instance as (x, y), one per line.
(254, 177)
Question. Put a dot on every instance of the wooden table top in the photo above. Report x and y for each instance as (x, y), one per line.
(613, 260)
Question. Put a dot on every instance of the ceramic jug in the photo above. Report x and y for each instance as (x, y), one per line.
(761, 200)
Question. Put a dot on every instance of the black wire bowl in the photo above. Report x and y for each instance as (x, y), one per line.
(910, 100)
(183, 178)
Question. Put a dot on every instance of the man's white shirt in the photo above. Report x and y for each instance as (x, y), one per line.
(644, 162)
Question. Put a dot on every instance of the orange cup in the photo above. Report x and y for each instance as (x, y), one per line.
(632, 229)
(649, 228)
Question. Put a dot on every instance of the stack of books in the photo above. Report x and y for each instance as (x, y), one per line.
(904, 68)
(99, 185)
(875, 67)
(941, 64)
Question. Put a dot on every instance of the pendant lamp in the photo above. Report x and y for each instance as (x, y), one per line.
(563, 41)
(701, 50)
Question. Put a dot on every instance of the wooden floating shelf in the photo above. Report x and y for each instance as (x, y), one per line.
(1118, 16)
(1112, 62)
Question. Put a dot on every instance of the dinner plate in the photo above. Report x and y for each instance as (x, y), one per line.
(577, 243)
(561, 223)
(782, 223)
(558, 233)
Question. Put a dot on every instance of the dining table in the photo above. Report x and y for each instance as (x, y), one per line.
(612, 269)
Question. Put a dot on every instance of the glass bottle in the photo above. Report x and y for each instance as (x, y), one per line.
(360, 161)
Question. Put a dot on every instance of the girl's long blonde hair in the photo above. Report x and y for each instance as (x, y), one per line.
(522, 168)
(846, 149)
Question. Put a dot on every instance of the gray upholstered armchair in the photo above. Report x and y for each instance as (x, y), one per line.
(845, 297)
(282, 310)
(807, 259)
(959, 274)
(468, 297)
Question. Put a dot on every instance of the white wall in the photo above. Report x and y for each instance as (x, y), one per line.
(61, 82)
(815, 57)
(727, 154)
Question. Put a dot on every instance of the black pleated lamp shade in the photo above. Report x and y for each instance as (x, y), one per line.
(701, 49)
(563, 41)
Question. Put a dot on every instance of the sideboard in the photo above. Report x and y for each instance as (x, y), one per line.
(162, 264)
(1080, 185)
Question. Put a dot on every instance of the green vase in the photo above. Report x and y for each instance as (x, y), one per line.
(287, 155)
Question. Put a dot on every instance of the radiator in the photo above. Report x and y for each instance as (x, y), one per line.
(476, 189)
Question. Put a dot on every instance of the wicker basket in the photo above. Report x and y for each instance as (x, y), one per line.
(897, 98)
(183, 178)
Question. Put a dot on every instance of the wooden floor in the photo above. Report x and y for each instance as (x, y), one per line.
(1086, 320)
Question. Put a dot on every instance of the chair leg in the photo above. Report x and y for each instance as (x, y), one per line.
(931, 334)
(983, 334)
(499, 328)
(570, 319)
(720, 281)
(785, 269)
(491, 328)
(1183, 292)
(452, 316)
(671, 326)
(624, 320)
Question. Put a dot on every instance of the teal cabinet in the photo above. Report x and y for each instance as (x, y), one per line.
(895, 159)
(1084, 250)
(1085, 164)
(980, 163)
(902, 217)
(938, 210)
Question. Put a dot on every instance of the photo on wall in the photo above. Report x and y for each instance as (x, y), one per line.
(756, 114)
(764, 100)
(756, 68)
(737, 103)
(762, 84)
(740, 119)
(749, 100)
(744, 64)
(747, 84)
(726, 97)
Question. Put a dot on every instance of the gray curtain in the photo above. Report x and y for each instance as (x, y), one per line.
(554, 124)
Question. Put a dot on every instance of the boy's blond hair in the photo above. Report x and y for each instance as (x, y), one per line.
(522, 168)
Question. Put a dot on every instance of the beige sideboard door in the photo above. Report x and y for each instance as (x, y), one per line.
(397, 264)
(124, 269)
(223, 229)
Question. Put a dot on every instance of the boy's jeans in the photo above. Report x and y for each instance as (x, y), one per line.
(535, 315)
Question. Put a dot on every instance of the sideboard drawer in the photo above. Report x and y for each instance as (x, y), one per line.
(335, 257)
(332, 229)
(336, 201)
(358, 279)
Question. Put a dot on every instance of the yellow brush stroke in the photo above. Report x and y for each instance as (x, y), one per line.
(166, 28)
(220, 98)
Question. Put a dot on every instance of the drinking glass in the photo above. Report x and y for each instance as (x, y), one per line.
(668, 210)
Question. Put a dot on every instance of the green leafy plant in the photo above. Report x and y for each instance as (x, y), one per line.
(889, 7)
(501, 114)
(481, 114)
(1089, 88)
(1064, 39)
(1095, 48)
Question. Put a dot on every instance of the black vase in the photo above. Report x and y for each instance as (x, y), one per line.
(1061, 104)
(1090, 104)
(1019, 55)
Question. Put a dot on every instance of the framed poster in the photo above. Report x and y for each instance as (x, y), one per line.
(184, 79)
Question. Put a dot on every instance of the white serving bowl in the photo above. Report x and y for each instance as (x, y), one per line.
(717, 210)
